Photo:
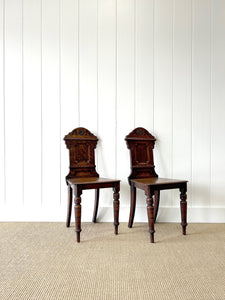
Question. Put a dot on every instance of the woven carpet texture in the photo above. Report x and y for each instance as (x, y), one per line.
(43, 261)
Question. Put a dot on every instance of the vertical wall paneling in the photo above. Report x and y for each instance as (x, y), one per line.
(88, 11)
(69, 82)
(13, 104)
(106, 96)
(110, 66)
(88, 78)
(182, 94)
(2, 106)
(201, 102)
(218, 104)
(163, 98)
(32, 102)
(125, 89)
(51, 103)
(144, 68)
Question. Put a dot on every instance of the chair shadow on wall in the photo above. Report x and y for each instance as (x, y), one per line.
(103, 165)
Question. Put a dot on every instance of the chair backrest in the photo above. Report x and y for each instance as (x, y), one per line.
(81, 144)
(141, 143)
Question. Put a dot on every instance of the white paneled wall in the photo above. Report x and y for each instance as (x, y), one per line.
(2, 107)
(182, 93)
(217, 103)
(31, 105)
(13, 103)
(111, 66)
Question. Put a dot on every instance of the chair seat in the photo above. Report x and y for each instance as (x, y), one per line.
(158, 183)
(93, 182)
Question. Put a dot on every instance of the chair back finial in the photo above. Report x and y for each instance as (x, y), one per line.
(141, 143)
(81, 144)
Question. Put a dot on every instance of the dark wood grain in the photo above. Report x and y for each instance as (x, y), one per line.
(141, 143)
(83, 175)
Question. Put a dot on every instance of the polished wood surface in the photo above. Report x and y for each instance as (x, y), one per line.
(91, 180)
(141, 143)
(143, 176)
(158, 181)
(83, 175)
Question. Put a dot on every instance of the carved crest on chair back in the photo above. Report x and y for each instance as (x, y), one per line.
(141, 144)
(81, 144)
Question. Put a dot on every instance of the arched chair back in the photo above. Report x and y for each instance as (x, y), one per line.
(83, 175)
(141, 144)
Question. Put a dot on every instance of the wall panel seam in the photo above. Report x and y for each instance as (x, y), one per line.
(97, 75)
(78, 60)
(116, 82)
(153, 64)
(60, 99)
(211, 55)
(135, 61)
(191, 93)
(172, 70)
(22, 71)
(41, 74)
(4, 130)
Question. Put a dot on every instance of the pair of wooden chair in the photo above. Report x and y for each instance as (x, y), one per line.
(81, 144)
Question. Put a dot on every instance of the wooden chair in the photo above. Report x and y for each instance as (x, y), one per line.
(143, 176)
(82, 176)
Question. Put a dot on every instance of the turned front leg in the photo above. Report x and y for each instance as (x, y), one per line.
(77, 210)
(150, 212)
(183, 208)
(116, 206)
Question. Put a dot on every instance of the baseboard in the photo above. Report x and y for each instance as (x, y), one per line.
(172, 214)
(105, 214)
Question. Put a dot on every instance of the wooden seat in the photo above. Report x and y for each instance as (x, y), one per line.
(143, 176)
(82, 176)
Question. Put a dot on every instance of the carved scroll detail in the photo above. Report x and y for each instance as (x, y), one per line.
(80, 133)
(140, 132)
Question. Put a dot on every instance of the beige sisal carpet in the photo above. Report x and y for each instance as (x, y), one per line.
(43, 261)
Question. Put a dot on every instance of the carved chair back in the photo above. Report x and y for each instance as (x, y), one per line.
(141, 144)
(81, 144)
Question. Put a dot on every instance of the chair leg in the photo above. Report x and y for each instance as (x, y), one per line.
(69, 206)
(150, 212)
(96, 206)
(116, 206)
(183, 208)
(156, 203)
(77, 210)
(132, 205)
